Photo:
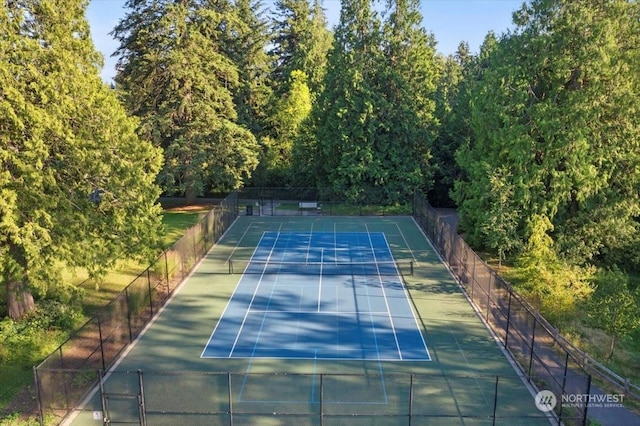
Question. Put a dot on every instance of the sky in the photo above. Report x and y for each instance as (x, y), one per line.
(451, 21)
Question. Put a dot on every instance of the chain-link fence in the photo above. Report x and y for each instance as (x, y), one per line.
(68, 373)
(546, 359)
(318, 201)
(212, 398)
(543, 357)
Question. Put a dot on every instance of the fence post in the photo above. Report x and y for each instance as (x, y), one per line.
(506, 334)
(564, 382)
(142, 410)
(196, 255)
(495, 401)
(473, 276)
(230, 399)
(410, 398)
(533, 342)
(99, 317)
(586, 407)
(489, 295)
(166, 269)
(66, 390)
(36, 383)
(126, 297)
(103, 400)
(150, 295)
(205, 232)
(321, 399)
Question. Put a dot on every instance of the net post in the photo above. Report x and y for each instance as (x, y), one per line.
(230, 396)
(321, 399)
(410, 398)
(411, 267)
(142, 410)
(230, 266)
(495, 400)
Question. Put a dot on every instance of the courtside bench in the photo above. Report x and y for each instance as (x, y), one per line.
(310, 205)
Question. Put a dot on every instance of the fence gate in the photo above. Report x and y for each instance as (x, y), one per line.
(125, 407)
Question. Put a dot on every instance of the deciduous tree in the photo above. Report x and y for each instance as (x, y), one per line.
(615, 307)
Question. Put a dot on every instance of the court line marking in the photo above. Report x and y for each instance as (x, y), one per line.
(406, 243)
(227, 306)
(273, 290)
(309, 247)
(235, 342)
(244, 234)
(264, 317)
(407, 297)
(371, 250)
(384, 293)
(259, 311)
(320, 282)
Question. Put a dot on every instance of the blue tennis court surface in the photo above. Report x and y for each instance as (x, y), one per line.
(319, 295)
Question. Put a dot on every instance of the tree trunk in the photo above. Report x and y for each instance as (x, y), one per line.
(19, 299)
(612, 347)
(190, 195)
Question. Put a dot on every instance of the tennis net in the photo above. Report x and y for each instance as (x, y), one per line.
(384, 268)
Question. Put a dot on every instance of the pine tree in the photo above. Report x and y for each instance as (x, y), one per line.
(291, 25)
(76, 184)
(474, 178)
(176, 77)
(318, 43)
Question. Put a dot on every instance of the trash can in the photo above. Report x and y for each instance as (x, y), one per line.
(249, 210)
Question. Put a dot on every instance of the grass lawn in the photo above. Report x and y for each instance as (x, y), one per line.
(97, 294)
(350, 209)
(13, 379)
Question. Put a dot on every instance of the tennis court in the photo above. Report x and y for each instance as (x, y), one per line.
(316, 320)
(319, 295)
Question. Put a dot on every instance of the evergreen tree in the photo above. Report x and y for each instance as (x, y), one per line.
(554, 111)
(407, 80)
(452, 112)
(318, 43)
(375, 122)
(290, 113)
(345, 118)
(246, 46)
(469, 153)
(301, 42)
(175, 76)
(76, 184)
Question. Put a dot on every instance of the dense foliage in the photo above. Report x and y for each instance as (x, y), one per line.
(552, 126)
(176, 77)
(551, 173)
(374, 121)
(535, 138)
(76, 183)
